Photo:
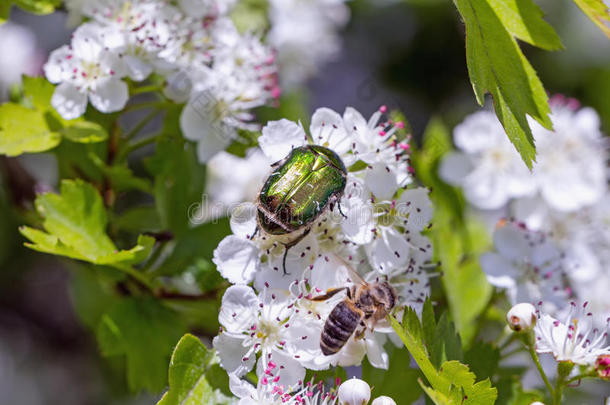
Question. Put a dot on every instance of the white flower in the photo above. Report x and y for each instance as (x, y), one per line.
(86, 69)
(305, 35)
(574, 339)
(521, 317)
(527, 264)
(263, 324)
(570, 169)
(242, 77)
(20, 55)
(487, 166)
(268, 392)
(354, 392)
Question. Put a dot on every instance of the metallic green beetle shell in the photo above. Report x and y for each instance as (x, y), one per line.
(301, 187)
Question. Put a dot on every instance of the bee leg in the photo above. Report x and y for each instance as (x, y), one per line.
(359, 334)
(289, 245)
(329, 293)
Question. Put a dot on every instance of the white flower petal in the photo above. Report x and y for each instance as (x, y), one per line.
(289, 370)
(68, 101)
(499, 271)
(389, 251)
(510, 241)
(381, 179)
(137, 69)
(232, 352)
(243, 220)
(359, 222)
(239, 309)
(327, 130)
(280, 137)
(454, 168)
(375, 353)
(110, 95)
(236, 259)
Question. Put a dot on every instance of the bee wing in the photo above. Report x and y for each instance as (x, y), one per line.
(357, 278)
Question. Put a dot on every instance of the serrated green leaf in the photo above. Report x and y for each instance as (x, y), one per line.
(75, 224)
(145, 332)
(137, 219)
(523, 19)
(497, 65)
(23, 130)
(598, 12)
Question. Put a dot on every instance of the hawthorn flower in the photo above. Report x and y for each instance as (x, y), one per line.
(262, 324)
(19, 55)
(242, 77)
(268, 392)
(570, 169)
(574, 339)
(487, 165)
(569, 172)
(86, 70)
(526, 264)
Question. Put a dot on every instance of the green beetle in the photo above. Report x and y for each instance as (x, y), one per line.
(303, 185)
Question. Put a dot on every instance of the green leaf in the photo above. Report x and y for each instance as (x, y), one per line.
(85, 132)
(598, 12)
(497, 65)
(121, 177)
(144, 332)
(399, 381)
(37, 93)
(75, 224)
(24, 130)
(38, 6)
(187, 368)
(194, 374)
(452, 383)
(523, 19)
(5, 11)
(179, 183)
(483, 359)
(138, 219)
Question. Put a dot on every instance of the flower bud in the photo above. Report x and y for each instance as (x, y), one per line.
(602, 366)
(536, 403)
(383, 400)
(354, 392)
(521, 317)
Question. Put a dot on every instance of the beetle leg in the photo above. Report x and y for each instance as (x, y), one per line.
(340, 211)
(329, 293)
(255, 232)
(289, 245)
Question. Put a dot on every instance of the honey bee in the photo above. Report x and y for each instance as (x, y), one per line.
(364, 305)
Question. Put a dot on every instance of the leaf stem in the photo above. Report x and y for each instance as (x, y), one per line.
(145, 89)
(137, 275)
(563, 371)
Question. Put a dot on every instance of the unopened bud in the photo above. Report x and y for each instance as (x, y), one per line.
(383, 400)
(354, 392)
(521, 317)
(536, 403)
(602, 365)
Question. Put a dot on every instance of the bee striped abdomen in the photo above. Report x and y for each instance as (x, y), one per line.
(339, 326)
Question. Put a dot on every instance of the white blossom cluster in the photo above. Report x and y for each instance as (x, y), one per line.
(220, 73)
(558, 246)
(268, 318)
